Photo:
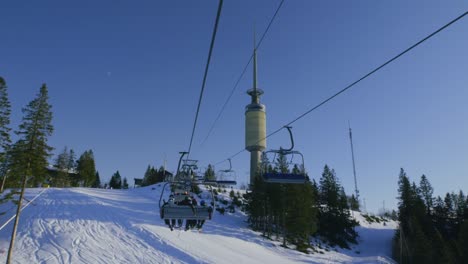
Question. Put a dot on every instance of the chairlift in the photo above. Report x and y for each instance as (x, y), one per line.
(296, 177)
(181, 207)
(225, 177)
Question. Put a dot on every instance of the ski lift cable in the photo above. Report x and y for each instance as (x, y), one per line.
(22, 208)
(241, 75)
(357, 81)
(213, 37)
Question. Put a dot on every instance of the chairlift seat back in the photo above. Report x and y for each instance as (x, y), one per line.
(186, 212)
(219, 182)
(227, 182)
(287, 178)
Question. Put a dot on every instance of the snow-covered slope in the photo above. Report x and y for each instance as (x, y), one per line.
(80, 225)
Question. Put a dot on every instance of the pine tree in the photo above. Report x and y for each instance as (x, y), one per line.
(5, 111)
(161, 174)
(462, 243)
(31, 151)
(125, 183)
(460, 206)
(86, 168)
(146, 176)
(61, 164)
(209, 174)
(265, 164)
(301, 215)
(335, 222)
(405, 198)
(116, 181)
(281, 211)
(71, 164)
(97, 182)
(426, 224)
(440, 216)
(282, 164)
(152, 176)
(419, 243)
(353, 203)
(449, 207)
(5, 141)
(426, 192)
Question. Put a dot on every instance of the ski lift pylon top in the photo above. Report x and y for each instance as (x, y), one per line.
(296, 177)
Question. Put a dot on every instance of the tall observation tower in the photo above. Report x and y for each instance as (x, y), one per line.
(255, 124)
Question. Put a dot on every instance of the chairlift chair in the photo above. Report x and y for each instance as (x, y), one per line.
(225, 177)
(181, 187)
(286, 178)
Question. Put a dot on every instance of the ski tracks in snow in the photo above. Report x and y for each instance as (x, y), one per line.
(72, 226)
(83, 225)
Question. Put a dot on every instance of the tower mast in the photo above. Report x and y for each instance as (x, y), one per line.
(354, 166)
(255, 123)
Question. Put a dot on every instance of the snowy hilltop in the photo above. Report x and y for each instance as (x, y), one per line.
(85, 225)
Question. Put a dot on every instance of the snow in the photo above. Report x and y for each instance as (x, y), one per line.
(84, 225)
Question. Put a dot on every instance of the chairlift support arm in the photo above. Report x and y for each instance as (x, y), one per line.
(292, 140)
(180, 160)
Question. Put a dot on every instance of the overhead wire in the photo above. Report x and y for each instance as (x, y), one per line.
(355, 82)
(213, 37)
(242, 73)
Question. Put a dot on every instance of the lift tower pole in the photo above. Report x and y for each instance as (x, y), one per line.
(354, 166)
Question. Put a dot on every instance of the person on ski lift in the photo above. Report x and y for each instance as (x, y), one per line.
(191, 223)
(166, 221)
(202, 221)
(171, 203)
(187, 201)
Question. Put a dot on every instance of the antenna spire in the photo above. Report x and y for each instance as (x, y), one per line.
(255, 63)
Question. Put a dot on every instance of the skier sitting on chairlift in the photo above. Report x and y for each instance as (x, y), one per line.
(191, 223)
(202, 221)
(171, 202)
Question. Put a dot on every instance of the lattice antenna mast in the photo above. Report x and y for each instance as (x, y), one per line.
(356, 190)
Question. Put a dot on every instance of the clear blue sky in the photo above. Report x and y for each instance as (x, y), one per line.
(124, 79)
